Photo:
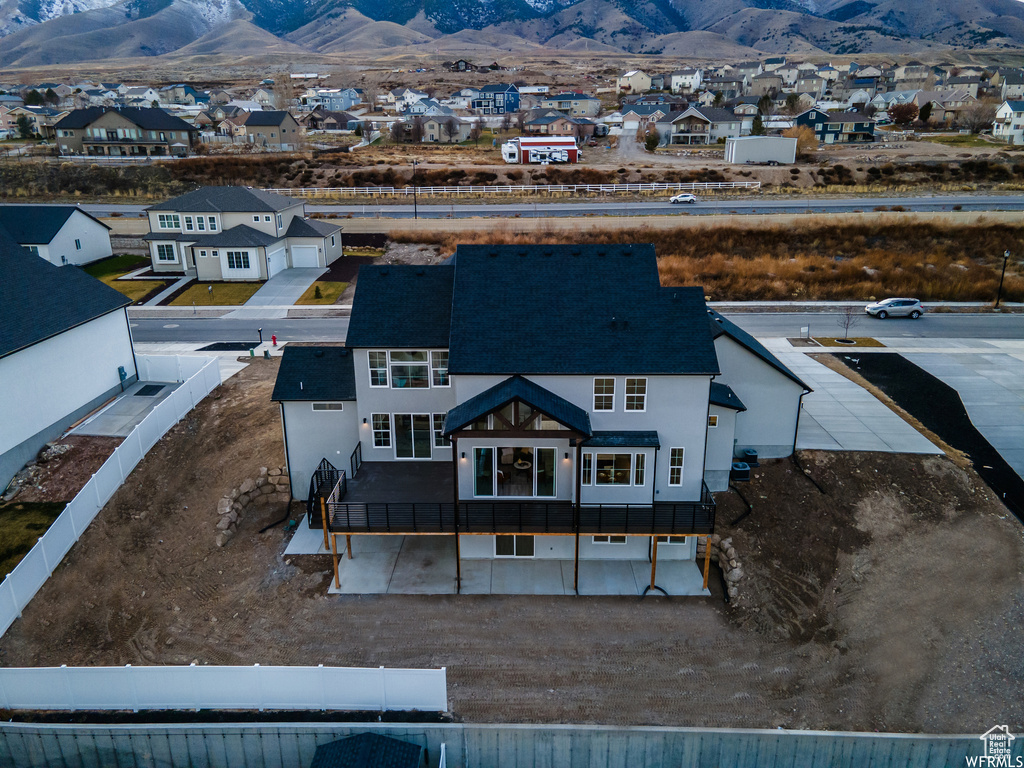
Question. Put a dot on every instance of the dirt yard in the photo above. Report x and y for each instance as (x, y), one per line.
(892, 600)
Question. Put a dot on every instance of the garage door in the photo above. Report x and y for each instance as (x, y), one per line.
(305, 256)
(275, 262)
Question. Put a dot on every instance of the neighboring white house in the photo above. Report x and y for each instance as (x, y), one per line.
(65, 349)
(1008, 125)
(686, 81)
(237, 233)
(599, 406)
(61, 234)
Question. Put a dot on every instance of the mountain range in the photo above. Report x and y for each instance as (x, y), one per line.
(44, 32)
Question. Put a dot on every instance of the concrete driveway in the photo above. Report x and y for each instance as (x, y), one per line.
(277, 294)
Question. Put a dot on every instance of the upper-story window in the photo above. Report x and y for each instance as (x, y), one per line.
(280, 221)
(212, 220)
(189, 224)
(409, 370)
(675, 466)
(636, 394)
(378, 369)
(168, 221)
(604, 394)
(439, 369)
(256, 218)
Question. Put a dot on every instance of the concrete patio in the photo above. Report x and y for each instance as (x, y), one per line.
(425, 565)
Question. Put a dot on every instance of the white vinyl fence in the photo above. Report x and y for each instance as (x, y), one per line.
(212, 687)
(199, 375)
(514, 189)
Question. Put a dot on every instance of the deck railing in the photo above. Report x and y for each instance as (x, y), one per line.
(526, 517)
(322, 483)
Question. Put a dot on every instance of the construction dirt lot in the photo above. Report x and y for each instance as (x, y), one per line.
(891, 599)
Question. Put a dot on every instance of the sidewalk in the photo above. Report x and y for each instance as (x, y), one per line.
(175, 286)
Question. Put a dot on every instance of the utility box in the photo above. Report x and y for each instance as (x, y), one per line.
(764, 150)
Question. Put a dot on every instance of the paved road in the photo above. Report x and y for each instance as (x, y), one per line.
(613, 207)
(952, 326)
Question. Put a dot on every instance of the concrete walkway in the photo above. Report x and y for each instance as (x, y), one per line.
(278, 293)
(129, 409)
(176, 285)
(842, 416)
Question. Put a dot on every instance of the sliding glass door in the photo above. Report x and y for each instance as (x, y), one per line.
(413, 435)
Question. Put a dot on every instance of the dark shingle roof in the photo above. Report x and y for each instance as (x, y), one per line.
(150, 119)
(226, 200)
(301, 227)
(39, 300)
(722, 395)
(36, 224)
(721, 325)
(241, 236)
(624, 439)
(572, 309)
(402, 306)
(315, 373)
(518, 388)
(269, 117)
(367, 750)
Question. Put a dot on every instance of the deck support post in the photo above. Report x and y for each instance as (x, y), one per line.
(455, 491)
(323, 519)
(348, 546)
(334, 557)
(576, 516)
(654, 569)
(707, 559)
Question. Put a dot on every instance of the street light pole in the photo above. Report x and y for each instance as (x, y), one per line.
(415, 206)
(999, 293)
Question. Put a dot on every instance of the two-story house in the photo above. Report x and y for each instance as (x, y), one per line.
(572, 104)
(578, 422)
(272, 130)
(237, 233)
(838, 127)
(685, 80)
(128, 131)
(700, 125)
(1008, 125)
(633, 81)
(496, 99)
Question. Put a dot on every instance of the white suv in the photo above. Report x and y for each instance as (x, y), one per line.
(895, 308)
(685, 197)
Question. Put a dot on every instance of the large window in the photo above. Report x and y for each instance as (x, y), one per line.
(168, 221)
(238, 260)
(636, 394)
(439, 369)
(604, 394)
(409, 370)
(613, 468)
(381, 430)
(378, 369)
(675, 466)
(165, 252)
(521, 471)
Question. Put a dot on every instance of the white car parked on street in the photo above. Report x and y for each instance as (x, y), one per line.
(895, 308)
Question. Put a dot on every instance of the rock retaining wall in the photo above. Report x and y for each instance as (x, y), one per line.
(723, 553)
(271, 485)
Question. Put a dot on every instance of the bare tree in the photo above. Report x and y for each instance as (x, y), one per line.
(450, 126)
(806, 139)
(520, 120)
(416, 130)
(978, 116)
(476, 130)
(506, 122)
(398, 131)
(848, 317)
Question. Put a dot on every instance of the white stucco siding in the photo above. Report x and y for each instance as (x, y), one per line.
(47, 381)
(373, 400)
(676, 410)
(720, 448)
(772, 400)
(314, 435)
(93, 242)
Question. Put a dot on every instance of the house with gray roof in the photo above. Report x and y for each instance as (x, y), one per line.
(61, 234)
(586, 420)
(237, 233)
(65, 350)
(1008, 125)
(124, 132)
(700, 125)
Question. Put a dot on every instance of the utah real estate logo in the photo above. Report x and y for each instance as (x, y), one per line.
(998, 741)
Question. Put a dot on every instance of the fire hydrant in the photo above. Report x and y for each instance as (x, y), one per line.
(273, 339)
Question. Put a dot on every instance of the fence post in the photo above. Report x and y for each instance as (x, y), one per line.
(259, 687)
(133, 685)
(323, 687)
(67, 687)
(383, 692)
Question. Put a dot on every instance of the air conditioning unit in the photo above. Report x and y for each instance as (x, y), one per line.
(740, 472)
(749, 456)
